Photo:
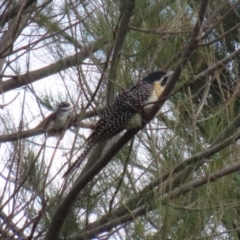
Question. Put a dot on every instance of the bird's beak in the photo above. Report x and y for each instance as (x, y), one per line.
(166, 78)
(169, 73)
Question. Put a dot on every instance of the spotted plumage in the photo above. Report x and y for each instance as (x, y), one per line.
(125, 112)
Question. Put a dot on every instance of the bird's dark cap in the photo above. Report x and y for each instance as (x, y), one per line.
(157, 76)
(64, 105)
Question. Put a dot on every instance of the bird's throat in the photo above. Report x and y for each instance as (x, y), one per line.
(158, 88)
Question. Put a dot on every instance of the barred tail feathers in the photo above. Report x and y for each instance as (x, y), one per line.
(80, 159)
(106, 128)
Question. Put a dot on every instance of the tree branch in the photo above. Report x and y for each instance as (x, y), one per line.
(30, 77)
(34, 132)
(13, 10)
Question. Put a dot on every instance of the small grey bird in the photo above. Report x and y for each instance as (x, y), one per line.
(55, 123)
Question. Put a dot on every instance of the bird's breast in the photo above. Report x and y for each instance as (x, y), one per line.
(60, 121)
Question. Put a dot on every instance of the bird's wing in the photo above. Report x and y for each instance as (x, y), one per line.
(115, 117)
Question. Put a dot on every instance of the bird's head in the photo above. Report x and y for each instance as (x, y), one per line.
(64, 106)
(160, 76)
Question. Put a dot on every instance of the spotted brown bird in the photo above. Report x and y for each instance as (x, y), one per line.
(126, 111)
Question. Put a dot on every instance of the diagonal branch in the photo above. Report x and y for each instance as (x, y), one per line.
(33, 76)
(13, 10)
(11, 227)
(15, 27)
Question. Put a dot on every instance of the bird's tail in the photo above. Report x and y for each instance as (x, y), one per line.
(80, 159)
